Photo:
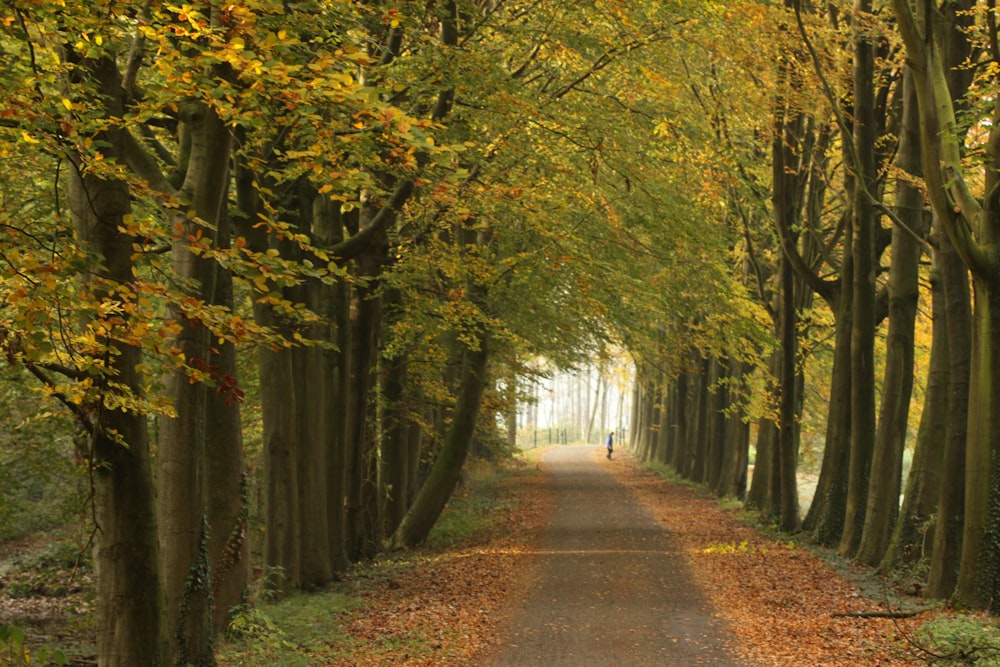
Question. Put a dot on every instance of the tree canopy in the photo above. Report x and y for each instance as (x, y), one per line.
(331, 237)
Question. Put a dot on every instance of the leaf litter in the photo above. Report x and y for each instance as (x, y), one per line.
(447, 605)
(786, 604)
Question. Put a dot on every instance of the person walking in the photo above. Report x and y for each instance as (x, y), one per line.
(611, 443)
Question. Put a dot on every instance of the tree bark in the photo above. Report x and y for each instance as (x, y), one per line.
(787, 494)
(897, 385)
(129, 596)
(662, 438)
(647, 428)
(313, 383)
(394, 472)
(311, 387)
(680, 423)
(979, 568)
(363, 529)
(760, 496)
(732, 480)
(440, 484)
(715, 432)
(863, 287)
(510, 418)
(181, 472)
(277, 398)
(948, 528)
(698, 437)
(227, 501)
(825, 519)
(338, 365)
(912, 537)
(282, 536)
(973, 228)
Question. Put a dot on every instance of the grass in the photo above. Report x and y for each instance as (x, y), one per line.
(293, 632)
(961, 639)
(309, 629)
(473, 510)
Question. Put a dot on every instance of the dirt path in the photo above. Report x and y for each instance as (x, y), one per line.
(610, 586)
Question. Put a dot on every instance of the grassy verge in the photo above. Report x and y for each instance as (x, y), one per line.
(941, 637)
(412, 607)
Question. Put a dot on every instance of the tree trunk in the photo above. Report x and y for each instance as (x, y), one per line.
(699, 435)
(979, 568)
(715, 432)
(948, 528)
(761, 495)
(897, 385)
(313, 384)
(598, 400)
(912, 537)
(415, 445)
(311, 387)
(863, 324)
(663, 436)
(282, 536)
(511, 415)
(646, 409)
(130, 623)
(787, 494)
(636, 411)
(394, 474)
(181, 476)
(363, 530)
(681, 424)
(338, 365)
(278, 412)
(227, 501)
(788, 180)
(438, 487)
(732, 480)
(974, 228)
(825, 519)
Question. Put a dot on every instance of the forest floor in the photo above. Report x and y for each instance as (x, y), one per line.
(770, 601)
(782, 603)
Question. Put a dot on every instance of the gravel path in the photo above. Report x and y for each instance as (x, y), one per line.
(610, 587)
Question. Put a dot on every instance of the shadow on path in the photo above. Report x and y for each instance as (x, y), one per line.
(611, 587)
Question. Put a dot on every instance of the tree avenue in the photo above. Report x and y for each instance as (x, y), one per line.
(309, 251)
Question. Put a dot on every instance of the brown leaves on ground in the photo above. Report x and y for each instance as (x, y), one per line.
(781, 600)
(445, 607)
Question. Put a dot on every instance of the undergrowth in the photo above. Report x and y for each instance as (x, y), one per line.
(959, 640)
(947, 639)
(311, 629)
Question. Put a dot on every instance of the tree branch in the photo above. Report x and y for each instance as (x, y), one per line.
(604, 60)
(352, 247)
(78, 411)
(144, 165)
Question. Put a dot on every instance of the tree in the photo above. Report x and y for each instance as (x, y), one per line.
(971, 225)
(88, 352)
(126, 549)
(897, 385)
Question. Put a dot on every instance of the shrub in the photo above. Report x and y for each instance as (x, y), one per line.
(961, 639)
